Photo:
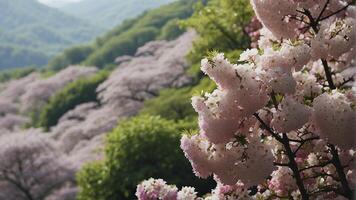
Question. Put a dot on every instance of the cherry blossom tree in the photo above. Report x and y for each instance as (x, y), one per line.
(30, 167)
(38, 92)
(281, 123)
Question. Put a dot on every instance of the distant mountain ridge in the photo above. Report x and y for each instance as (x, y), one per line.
(31, 32)
(110, 13)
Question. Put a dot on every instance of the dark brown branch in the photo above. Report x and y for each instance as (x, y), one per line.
(294, 167)
(302, 142)
(328, 74)
(338, 11)
(340, 172)
(314, 25)
(312, 22)
(269, 129)
(281, 164)
(323, 10)
(291, 156)
(298, 18)
(346, 81)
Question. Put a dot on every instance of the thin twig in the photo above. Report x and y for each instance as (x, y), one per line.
(316, 166)
(323, 10)
(338, 11)
(269, 129)
(347, 81)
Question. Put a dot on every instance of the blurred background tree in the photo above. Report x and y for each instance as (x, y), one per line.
(139, 148)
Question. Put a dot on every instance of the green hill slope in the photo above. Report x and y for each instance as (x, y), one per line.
(159, 23)
(30, 32)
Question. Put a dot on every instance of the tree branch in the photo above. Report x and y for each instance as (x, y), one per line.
(328, 74)
(315, 166)
(294, 167)
(323, 10)
(338, 11)
(269, 129)
(340, 171)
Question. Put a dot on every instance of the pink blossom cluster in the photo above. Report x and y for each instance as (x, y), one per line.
(253, 31)
(285, 104)
(38, 92)
(158, 189)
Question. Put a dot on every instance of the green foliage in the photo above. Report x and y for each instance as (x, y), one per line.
(92, 178)
(11, 74)
(139, 148)
(220, 24)
(12, 56)
(70, 56)
(171, 30)
(171, 104)
(80, 91)
(126, 38)
(127, 43)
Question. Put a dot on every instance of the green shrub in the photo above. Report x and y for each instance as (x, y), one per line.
(90, 178)
(80, 91)
(70, 56)
(171, 104)
(126, 44)
(10, 74)
(139, 148)
(171, 30)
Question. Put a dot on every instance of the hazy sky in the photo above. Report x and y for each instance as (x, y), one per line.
(57, 3)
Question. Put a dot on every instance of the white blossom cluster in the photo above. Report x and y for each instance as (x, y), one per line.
(153, 189)
(158, 189)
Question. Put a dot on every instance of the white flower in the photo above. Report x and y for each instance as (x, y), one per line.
(187, 193)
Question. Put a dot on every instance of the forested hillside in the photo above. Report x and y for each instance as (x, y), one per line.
(30, 32)
(160, 23)
(109, 13)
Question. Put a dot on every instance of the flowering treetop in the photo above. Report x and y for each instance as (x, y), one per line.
(283, 118)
